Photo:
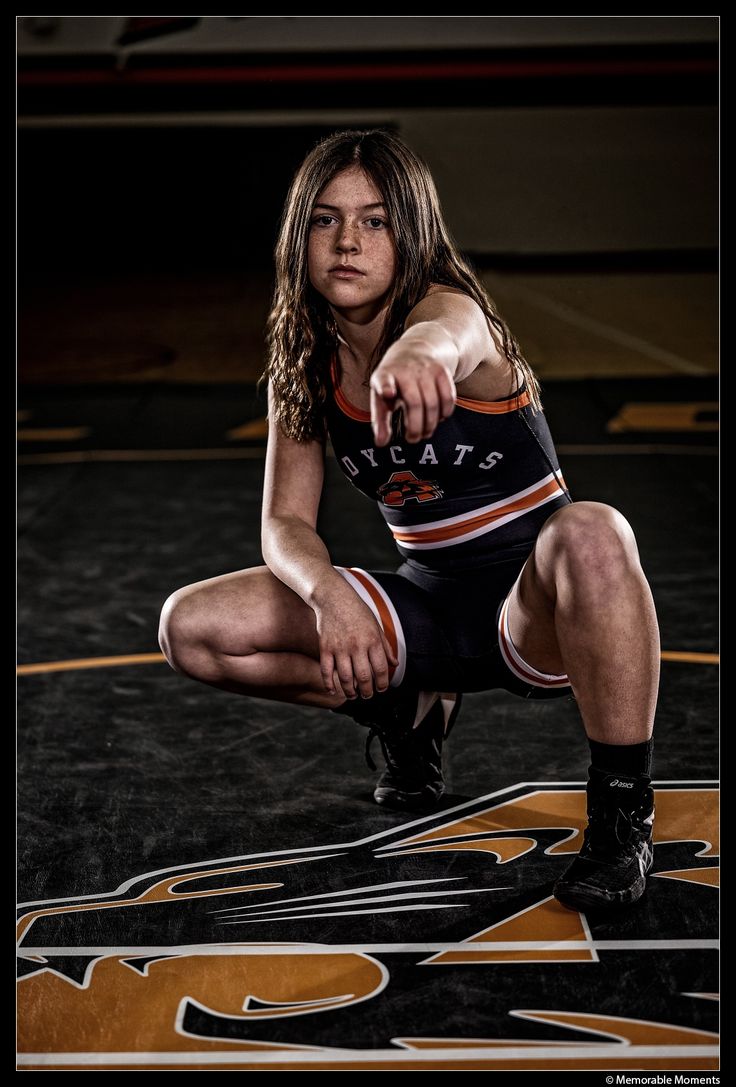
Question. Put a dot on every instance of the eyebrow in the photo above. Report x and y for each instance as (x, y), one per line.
(365, 207)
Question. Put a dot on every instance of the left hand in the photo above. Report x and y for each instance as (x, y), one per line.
(410, 379)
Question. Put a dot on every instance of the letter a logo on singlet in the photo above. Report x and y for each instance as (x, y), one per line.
(404, 485)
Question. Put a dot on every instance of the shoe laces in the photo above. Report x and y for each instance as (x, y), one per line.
(612, 829)
(609, 828)
(374, 732)
(400, 743)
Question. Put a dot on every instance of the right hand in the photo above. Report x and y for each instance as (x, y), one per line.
(420, 385)
(354, 653)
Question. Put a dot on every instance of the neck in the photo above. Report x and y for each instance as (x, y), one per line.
(360, 337)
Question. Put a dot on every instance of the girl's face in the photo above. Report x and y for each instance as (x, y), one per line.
(351, 254)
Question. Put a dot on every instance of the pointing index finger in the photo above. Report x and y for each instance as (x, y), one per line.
(383, 396)
(384, 383)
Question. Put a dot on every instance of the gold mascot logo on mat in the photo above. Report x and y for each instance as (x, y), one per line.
(260, 961)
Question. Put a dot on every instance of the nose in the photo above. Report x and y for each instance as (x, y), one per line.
(348, 239)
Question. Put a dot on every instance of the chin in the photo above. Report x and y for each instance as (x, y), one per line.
(351, 294)
(346, 297)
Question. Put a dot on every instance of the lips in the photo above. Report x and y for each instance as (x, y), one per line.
(345, 271)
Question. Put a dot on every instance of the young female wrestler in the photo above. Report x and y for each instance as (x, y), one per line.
(382, 338)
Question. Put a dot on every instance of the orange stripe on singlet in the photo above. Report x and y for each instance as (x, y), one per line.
(342, 401)
(514, 661)
(485, 407)
(449, 532)
(495, 407)
(386, 621)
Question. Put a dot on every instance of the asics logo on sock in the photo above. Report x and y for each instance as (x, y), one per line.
(621, 784)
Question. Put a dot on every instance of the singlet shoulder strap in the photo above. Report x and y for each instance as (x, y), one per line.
(520, 399)
(357, 414)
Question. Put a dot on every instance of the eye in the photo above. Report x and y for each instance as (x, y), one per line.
(323, 220)
(376, 223)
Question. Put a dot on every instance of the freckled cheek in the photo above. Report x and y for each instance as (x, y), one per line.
(388, 265)
(315, 262)
(385, 257)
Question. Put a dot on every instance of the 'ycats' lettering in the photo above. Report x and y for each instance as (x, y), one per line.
(461, 454)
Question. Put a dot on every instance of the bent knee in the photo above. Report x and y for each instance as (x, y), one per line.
(180, 632)
(590, 536)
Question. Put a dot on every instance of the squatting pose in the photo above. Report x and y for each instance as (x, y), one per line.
(382, 339)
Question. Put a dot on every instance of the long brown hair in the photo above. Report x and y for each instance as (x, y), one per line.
(302, 334)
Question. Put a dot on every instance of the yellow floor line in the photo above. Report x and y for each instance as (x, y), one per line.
(669, 416)
(691, 658)
(89, 662)
(85, 456)
(53, 434)
(157, 658)
(255, 429)
(636, 448)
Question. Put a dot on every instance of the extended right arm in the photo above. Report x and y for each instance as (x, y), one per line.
(354, 653)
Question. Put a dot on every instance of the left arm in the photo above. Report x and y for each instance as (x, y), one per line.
(446, 337)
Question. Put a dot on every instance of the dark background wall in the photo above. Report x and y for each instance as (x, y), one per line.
(546, 135)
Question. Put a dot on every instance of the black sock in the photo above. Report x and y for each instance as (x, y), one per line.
(632, 760)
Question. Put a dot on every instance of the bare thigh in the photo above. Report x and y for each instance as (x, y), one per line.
(238, 614)
(531, 622)
(531, 613)
(581, 560)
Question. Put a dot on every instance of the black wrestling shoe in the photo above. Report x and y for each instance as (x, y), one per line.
(611, 868)
(412, 780)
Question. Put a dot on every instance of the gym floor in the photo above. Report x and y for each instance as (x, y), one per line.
(205, 881)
